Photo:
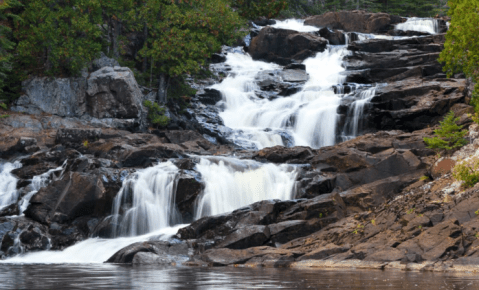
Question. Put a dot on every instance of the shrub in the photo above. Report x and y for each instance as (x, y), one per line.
(467, 173)
(449, 135)
(156, 114)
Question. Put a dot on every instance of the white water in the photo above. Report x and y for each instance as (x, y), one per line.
(309, 116)
(295, 24)
(90, 251)
(8, 184)
(356, 112)
(428, 25)
(146, 201)
(232, 183)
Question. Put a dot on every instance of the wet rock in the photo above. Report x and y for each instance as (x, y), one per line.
(295, 66)
(153, 252)
(293, 75)
(358, 21)
(187, 191)
(209, 96)
(264, 21)
(333, 36)
(280, 154)
(114, 93)
(282, 46)
(10, 210)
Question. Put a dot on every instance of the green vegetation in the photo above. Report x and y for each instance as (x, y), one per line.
(424, 178)
(253, 9)
(156, 114)
(419, 8)
(410, 211)
(467, 172)
(449, 135)
(461, 50)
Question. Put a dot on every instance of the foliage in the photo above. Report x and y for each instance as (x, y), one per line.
(253, 9)
(59, 36)
(461, 49)
(3, 106)
(467, 172)
(419, 8)
(156, 114)
(424, 178)
(85, 143)
(7, 45)
(449, 135)
(180, 89)
(182, 35)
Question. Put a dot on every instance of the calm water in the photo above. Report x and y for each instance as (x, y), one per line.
(128, 277)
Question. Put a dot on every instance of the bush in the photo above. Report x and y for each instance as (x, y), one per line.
(449, 135)
(467, 173)
(156, 114)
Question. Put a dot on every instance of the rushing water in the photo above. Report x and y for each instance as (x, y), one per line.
(428, 25)
(71, 277)
(146, 201)
(309, 116)
(231, 183)
(8, 183)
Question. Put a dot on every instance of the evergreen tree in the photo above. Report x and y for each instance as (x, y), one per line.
(449, 135)
(461, 49)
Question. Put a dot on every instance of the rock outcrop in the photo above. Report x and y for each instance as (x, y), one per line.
(285, 46)
(357, 21)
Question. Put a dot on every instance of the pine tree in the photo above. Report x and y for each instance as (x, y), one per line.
(449, 135)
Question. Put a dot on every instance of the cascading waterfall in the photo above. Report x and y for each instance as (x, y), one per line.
(355, 113)
(8, 183)
(232, 183)
(428, 25)
(309, 116)
(146, 201)
(294, 24)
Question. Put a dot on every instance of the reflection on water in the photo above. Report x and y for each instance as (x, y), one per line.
(126, 277)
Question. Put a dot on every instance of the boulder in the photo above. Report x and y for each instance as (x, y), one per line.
(283, 46)
(63, 97)
(246, 237)
(333, 36)
(113, 93)
(76, 195)
(209, 96)
(152, 252)
(357, 21)
(103, 61)
(187, 191)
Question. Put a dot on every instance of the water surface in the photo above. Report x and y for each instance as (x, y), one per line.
(96, 276)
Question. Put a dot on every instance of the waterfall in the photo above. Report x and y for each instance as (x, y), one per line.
(355, 113)
(231, 183)
(428, 25)
(146, 201)
(8, 183)
(308, 117)
(294, 24)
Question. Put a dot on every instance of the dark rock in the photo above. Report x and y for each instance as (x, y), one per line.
(187, 191)
(158, 253)
(246, 237)
(209, 96)
(282, 46)
(64, 200)
(264, 22)
(10, 210)
(295, 66)
(77, 137)
(334, 37)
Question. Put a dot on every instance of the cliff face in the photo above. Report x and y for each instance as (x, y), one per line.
(359, 200)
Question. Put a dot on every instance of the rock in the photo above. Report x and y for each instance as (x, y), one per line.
(64, 97)
(282, 46)
(114, 93)
(64, 200)
(264, 21)
(10, 210)
(246, 237)
(187, 191)
(209, 96)
(76, 137)
(153, 252)
(357, 21)
(293, 75)
(104, 61)
(295, 66)
(443, 166)
(224, 257)
(280, 154)
(324, 252)
(333, 36)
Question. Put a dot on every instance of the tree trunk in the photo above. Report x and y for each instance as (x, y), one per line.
(163, 83)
